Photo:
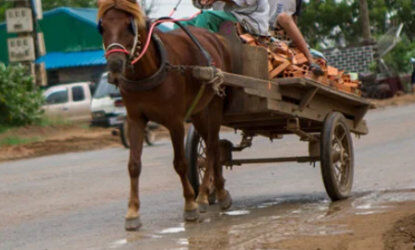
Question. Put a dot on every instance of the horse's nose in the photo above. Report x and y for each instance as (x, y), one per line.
(115, 65)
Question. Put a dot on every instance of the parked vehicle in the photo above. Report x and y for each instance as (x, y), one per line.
(106, 105)
(108, 111)
(68, 101)
(149, 136)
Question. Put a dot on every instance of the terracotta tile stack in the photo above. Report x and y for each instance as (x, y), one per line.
(284, 61)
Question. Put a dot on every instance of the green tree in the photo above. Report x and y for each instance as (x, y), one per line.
(20, 99)
(331, 23)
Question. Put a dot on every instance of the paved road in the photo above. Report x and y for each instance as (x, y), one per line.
(78, 200)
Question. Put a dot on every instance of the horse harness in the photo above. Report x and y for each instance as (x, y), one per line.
(165, 67)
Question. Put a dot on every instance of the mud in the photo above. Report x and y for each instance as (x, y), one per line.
(365, 221)
(402, 235)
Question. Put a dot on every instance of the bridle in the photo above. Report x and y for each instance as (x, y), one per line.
(119, 48)
(158, 77)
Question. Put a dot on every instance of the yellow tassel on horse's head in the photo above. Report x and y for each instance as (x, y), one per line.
(129, 6)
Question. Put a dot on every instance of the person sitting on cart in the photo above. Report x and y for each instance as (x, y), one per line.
(256, 17)
(284, 15)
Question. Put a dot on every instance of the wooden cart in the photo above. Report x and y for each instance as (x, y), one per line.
(322, 116)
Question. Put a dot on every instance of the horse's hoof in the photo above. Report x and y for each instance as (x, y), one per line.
(203, 207)
(226, 203)
(132, 224)
(212, 198)
(191, 215)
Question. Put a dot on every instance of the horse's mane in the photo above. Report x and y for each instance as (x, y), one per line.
(129, 6)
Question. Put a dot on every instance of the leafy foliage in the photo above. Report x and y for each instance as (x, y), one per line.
(399, 58)
(20, 99)
(333, 23)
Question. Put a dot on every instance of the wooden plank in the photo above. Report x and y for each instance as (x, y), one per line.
(286, 82)
(292, 110)
(255, 62)
(320, 102)
(307, 98)
(312, 114)
(266, 93)
(252, 85)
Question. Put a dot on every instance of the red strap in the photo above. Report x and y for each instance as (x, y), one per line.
(109, 52)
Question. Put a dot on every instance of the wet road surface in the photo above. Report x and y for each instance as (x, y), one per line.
(78, 200)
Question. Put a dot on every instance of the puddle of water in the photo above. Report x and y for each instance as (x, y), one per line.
(172, 230)
(364, 206)
(277, 220)
(237, 212)
(118, 243)
(183, 241)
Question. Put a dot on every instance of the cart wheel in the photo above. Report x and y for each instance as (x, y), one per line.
(336, 157)
(196, 159)
(125, 140)
(150, 137)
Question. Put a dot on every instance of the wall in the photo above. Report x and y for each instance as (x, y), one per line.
(79, 74)
(352, 59)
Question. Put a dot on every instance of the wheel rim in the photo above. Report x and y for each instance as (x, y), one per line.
(201, 159)
(341, 157)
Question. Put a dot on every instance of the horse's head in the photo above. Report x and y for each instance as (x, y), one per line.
(120, 22)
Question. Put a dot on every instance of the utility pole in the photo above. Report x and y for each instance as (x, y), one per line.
(364, 19)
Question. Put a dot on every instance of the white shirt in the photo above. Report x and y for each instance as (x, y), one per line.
(255, 16)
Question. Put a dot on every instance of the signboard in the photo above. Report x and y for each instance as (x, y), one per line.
(38, 8)
(41, 44)
(19, 20)
(21, 49)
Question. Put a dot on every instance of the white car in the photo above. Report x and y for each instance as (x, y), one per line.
(68, 101)
(106, 106)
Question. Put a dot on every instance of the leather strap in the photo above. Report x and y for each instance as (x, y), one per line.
(154, 80)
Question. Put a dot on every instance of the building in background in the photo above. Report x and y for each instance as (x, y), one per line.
(73, 45)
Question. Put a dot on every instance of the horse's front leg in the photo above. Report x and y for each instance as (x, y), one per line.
(191, 212)
(136, 135)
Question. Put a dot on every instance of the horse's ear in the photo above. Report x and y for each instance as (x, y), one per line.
(99, 26)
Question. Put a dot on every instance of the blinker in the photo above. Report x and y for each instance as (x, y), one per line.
(132, 27)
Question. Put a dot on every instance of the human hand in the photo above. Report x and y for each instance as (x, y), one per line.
(207, 2)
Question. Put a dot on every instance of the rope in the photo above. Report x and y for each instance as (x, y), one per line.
(195, 102)
(151, 30)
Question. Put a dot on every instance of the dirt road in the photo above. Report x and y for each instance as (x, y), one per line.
(78, 200)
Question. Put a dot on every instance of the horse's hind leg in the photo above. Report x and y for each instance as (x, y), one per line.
(201, 123)
(136, 134)
(191, 212)
(208, 124)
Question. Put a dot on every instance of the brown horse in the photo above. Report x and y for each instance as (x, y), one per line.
(166, 99)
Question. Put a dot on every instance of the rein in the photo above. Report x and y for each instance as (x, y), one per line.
(157, 78)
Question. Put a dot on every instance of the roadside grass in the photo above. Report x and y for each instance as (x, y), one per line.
(46, 122)
(12, 135)
(16, 140)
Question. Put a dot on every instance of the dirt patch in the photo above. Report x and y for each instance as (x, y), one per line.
(394, 101)
(56, 139)
(361, 231)
(402, 236)
(384, 220)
